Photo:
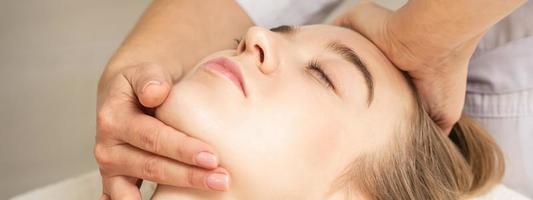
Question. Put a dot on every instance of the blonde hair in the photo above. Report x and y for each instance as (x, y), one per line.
(421, 162)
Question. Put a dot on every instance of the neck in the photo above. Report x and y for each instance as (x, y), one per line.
(164, 192)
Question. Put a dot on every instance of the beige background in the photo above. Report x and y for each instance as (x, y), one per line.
(51, 55)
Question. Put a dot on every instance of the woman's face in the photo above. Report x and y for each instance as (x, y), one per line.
(289, 108)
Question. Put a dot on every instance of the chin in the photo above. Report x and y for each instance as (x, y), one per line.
(204, 107)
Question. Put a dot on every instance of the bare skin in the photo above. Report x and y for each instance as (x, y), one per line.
(172, 35)
(433, 41)
(131, 145)
(292, 129)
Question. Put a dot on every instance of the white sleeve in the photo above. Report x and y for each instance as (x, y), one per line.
(269, 13)
(501, 192)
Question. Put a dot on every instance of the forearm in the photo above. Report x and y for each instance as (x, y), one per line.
(445, 25)
(177, 33)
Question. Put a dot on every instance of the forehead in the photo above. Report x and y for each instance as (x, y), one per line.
(322, 34)
(387, 77)
(314, 39)
(392, 92)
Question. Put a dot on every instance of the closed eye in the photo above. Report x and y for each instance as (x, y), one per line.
(316, 69)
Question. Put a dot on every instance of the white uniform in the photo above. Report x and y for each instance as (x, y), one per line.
(500, 93)
(287, 12)
(500, 79)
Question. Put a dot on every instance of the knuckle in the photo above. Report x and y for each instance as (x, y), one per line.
(191, 174)
(131, 70)
(181, 152)
(451, 118)
(139, 74)
(103, 158)
(150, 140)
(143, 70)
(182, 148)
(104, 121)
(153, 169)
(148, 67)
(456, 117)
(150, 71)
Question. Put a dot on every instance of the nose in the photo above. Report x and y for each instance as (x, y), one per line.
(260, 43)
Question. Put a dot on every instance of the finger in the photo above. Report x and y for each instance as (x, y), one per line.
(146, 132)
(364, 17)
(447, 131)
(104, 197)
(162, 170)
(151, 83)
(150, 134)
(342, 20)
(447, 125)
(121, 188)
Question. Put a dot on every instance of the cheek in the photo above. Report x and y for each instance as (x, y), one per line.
(322, 145)
(200, 110)
(292, 133)
(309, 121)
(291, 136)
(318, 144)
(285, 151)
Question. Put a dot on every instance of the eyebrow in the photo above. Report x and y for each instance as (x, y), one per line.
(349, 55)
(285, 29)
(343, 51)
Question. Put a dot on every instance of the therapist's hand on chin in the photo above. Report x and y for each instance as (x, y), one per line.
(132, 145)
(438, 69)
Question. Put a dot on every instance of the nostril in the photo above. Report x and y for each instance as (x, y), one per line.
(261, 53)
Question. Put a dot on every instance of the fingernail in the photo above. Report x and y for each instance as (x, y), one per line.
(150, 83)
(218, 181)
(205, 159)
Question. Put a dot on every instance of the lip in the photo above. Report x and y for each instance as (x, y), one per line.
(228, 69)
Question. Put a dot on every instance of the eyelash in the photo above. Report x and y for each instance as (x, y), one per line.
(312, 66)
(316, 67)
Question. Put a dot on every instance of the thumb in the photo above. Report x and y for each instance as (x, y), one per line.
(151, 84)
(367, 18)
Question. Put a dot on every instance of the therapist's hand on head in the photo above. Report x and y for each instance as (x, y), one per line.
(432, 41)
(132, 145)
